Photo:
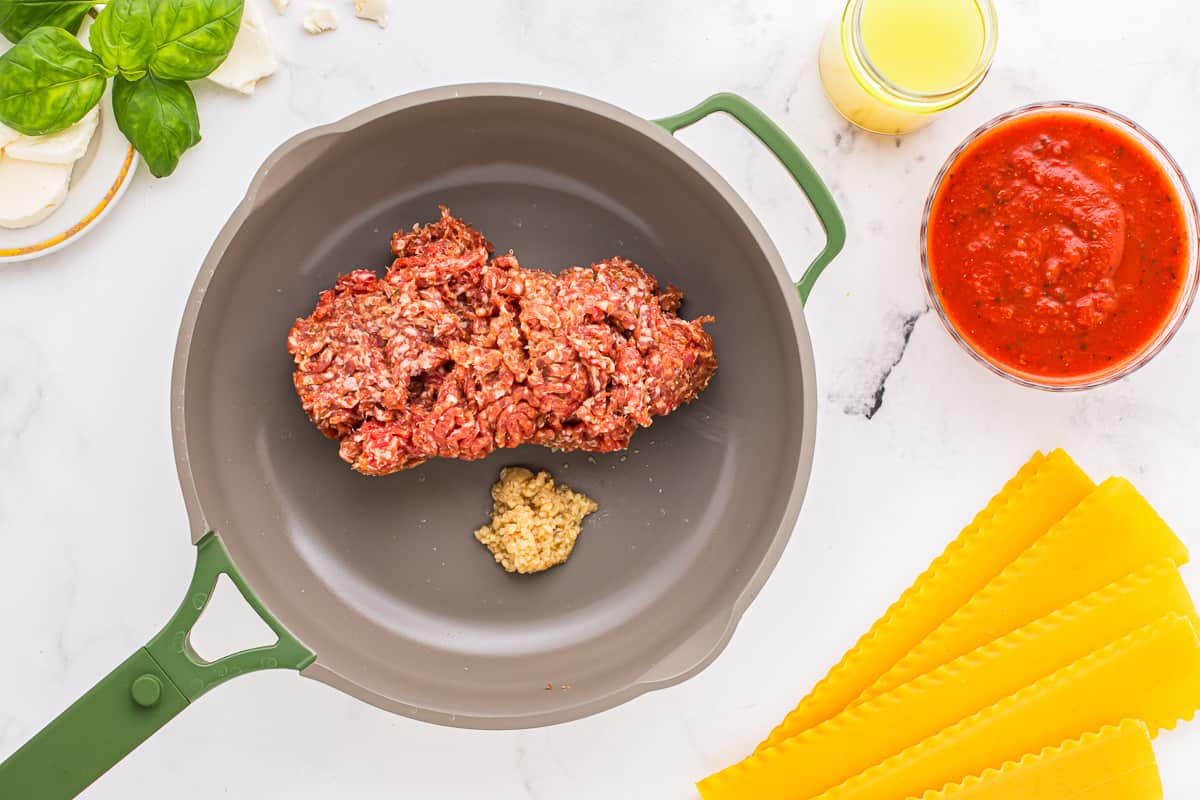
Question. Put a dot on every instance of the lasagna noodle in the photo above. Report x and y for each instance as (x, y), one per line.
(1038, 496)
(1111, 533)
(1152, 674)
(1114, 763)
(876, 729)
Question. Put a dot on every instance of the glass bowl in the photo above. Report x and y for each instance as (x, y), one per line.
(1150, 348)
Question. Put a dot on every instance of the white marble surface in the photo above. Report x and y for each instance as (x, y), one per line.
(92, 530)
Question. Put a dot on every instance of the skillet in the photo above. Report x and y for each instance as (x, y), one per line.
(376, 586)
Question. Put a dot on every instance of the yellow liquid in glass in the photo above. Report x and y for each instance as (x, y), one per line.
(891, 66)
(923, 46)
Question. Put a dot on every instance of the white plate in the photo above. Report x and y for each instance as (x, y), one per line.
(97, 183)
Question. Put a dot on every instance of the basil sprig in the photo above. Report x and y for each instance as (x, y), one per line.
(122, 37)
(48, 80)
(158, 117)
(19, 18)
(192, 37)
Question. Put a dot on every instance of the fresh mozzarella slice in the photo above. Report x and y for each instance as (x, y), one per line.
(319, 19)
(374, 10)
(251, 58)
(30, 190)
(65, 147)
(7, 136)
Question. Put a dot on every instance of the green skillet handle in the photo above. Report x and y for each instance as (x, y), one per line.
(143, 694)
(792, 159)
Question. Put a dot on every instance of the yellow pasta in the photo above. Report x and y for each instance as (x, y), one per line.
(1153, 674)
(870, 732)
(1115, 763)
(1109, 534)
(1044, 490)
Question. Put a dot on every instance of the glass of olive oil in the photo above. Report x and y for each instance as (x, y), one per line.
(890, 66)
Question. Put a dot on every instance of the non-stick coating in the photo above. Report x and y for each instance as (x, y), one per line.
(382, 577)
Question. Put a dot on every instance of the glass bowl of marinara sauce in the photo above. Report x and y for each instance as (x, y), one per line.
(1059, 246)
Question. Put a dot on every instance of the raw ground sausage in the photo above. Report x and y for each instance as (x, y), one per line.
(454, 354)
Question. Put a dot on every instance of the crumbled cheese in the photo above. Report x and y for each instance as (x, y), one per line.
(281, 6)
(251, 58)
(534, 523)
(319, 19)
(374, 10)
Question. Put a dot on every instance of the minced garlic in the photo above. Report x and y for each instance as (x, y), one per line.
(534, 522)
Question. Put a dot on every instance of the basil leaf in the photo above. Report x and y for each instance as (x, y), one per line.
(158, 117)
(192, 37)
(48, 81)
(123, 38)
(19, 18)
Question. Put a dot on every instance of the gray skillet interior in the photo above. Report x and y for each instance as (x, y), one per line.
(381, 577)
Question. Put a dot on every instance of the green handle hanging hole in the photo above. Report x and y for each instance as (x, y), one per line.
(192, 674)
(143, 693)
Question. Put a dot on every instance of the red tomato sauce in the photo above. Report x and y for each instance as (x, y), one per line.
(1057, 245)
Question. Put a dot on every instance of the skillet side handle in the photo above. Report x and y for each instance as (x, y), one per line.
(793, 160)
(141, 695)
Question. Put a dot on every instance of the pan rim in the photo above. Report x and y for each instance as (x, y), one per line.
(712, 635)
